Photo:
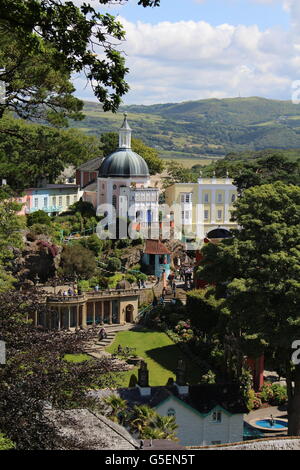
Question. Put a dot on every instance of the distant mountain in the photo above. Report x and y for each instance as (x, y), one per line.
(206, 127)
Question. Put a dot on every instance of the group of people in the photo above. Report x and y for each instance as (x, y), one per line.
(141, 284)
(69, 292)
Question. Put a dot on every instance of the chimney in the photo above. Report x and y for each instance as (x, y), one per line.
(180, 384)
(143, 380)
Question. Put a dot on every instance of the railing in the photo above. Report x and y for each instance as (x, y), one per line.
(65, 298)
(90, 295)
(45, 209)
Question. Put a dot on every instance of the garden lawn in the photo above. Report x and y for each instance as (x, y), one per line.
(160, 353)
(77, 357)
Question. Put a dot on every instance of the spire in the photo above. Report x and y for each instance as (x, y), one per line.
(125, 134)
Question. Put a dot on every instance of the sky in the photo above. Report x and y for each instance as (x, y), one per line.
(198, 49)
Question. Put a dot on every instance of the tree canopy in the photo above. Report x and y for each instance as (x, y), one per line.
(256, 279)
(44, 42)
(30, 153)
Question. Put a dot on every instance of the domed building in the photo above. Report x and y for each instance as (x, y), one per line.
(124, 184)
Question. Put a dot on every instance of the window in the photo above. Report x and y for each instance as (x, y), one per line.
(36, 202)
(182, 215)
(45, 201)
(186, 198)
(187, 215)
(233, 198)
(219, 214)
(171, 412)
(206, 215)
(54, 201)
(217, 416)
(114, 186)
(68, 200)
(206, 197)
(60, 200)
(219, 198)
(75, 198)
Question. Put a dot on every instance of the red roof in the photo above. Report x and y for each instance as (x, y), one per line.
(156, 247)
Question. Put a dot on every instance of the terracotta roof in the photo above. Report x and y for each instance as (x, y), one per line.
(156, 247)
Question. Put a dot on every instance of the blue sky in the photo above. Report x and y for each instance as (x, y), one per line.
(215, 12)
(198, 49)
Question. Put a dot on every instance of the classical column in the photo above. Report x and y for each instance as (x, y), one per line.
(110, 312)
(84, 315)
(226, 207)
(59, 318)
(94, 313)
(77, 317)
(213, 207)
(101, 305)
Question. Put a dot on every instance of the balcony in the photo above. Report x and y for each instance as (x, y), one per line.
(50, 209)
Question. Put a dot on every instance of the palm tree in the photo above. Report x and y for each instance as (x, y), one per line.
(150, 425)
(142, 416)
(151, 433)
(167, 426)
(117, 408)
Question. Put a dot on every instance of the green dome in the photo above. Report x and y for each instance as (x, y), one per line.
(124, 163)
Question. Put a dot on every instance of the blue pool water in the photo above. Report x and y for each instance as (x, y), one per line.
(266, 423)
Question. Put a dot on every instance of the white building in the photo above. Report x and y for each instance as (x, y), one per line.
(206, 414)
(124, 183)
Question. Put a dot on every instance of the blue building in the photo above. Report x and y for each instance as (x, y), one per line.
(157, 258)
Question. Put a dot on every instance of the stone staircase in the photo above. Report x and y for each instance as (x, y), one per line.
(96, 349)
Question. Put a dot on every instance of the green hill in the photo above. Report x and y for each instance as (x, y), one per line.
(206, 127)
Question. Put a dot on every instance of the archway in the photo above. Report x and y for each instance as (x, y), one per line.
(219, 233)
(129, 313)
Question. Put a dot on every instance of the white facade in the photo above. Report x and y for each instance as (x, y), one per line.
(131, 196)
(196, 429)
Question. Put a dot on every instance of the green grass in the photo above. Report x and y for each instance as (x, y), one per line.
(77, 357)
(160, 353)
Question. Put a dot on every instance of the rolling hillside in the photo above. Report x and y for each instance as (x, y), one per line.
(206, 128)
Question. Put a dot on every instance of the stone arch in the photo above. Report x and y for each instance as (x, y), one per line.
(129, 313)
(219, 232)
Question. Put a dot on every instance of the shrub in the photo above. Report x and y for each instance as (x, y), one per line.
(38, 217)
(41, 229)
(6, 444)
(274, 394)
(208, 378)
(76, 259)
(253, 402)
(114, 265)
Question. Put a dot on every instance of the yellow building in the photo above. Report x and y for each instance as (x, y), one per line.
(202, 207)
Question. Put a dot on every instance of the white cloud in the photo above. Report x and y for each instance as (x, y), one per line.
(188, 60)
(194, 60)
